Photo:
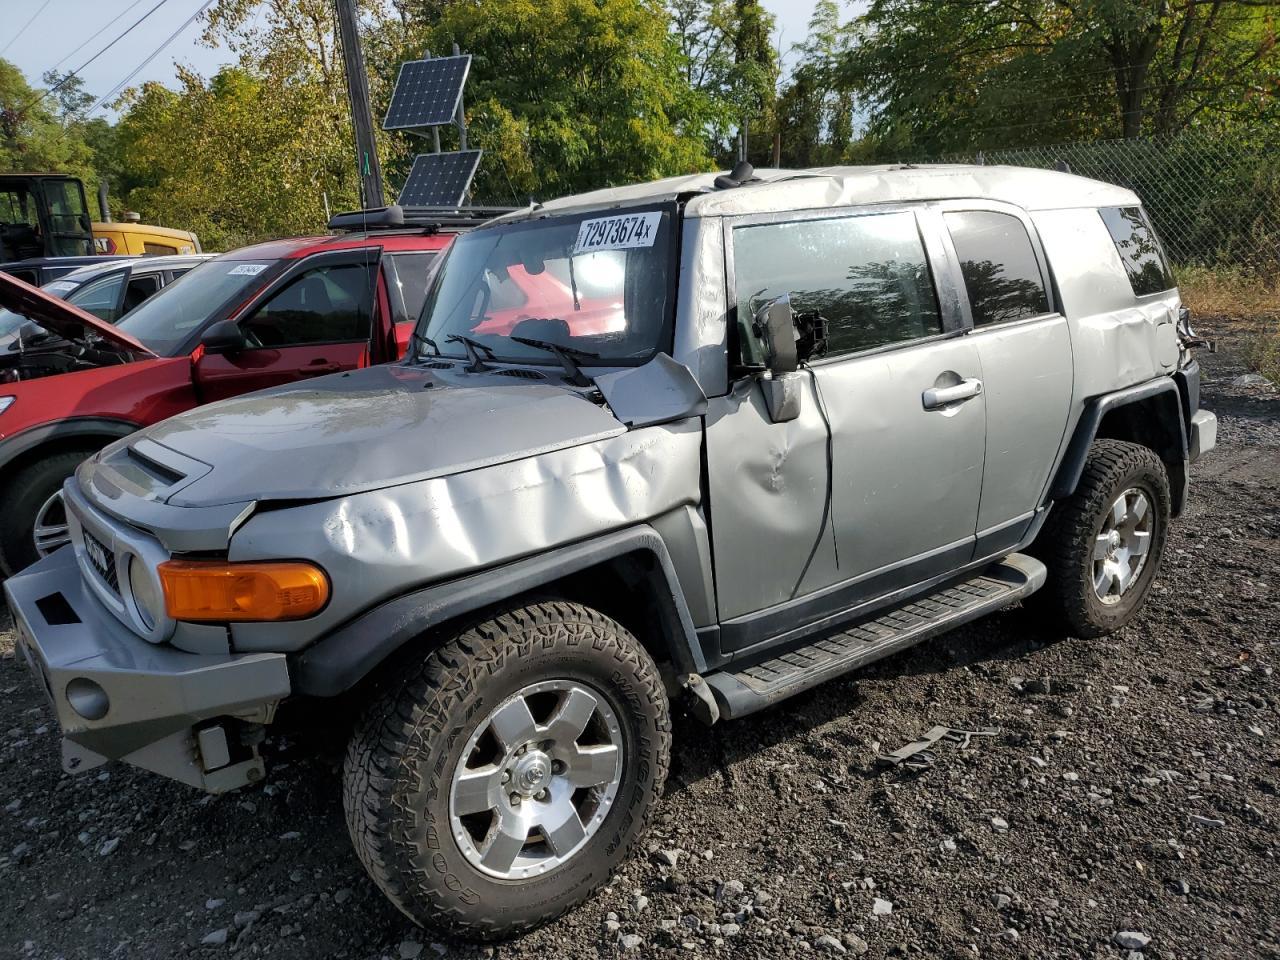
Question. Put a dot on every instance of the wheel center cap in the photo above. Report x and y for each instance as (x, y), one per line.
(1115, 540)
(532, 772)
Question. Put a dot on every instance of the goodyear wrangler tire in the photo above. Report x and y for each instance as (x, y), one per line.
(501, 782)
(1104, 544)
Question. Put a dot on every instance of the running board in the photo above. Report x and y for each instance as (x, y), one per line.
(764, 684)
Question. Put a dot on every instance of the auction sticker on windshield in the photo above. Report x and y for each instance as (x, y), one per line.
(618, 233)
(247, 270)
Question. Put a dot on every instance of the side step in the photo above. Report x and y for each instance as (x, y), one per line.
(764, 684)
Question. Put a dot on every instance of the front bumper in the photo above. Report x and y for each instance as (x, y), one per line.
(119, 697)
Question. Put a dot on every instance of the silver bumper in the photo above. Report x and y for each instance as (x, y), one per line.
(119, 697)
(1204, 434)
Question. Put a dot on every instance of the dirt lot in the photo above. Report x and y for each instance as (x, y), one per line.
(1132, 789)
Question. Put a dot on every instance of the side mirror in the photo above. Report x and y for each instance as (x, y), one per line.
(225, 336)
(775, 324)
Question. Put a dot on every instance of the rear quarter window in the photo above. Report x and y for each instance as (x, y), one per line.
(1140, 251)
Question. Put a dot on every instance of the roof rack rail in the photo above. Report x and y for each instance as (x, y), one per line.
(396, 217)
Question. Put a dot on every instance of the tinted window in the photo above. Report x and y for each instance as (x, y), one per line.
(324, 305)
(1139, 249)
(138, 290)
(101, 297)
(867, 276)
(999, 266)
(413, 272)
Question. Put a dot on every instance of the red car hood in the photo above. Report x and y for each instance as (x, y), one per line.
(59, 316)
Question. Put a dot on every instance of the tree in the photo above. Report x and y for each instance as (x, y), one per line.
(815, 108)
(963, 75)
(33, 137)
(568, 95)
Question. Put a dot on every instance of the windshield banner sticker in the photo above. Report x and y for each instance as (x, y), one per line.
(247, 270)
(618, 233)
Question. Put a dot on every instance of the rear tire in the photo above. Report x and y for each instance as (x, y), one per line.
(444, 766)
(1104, 544)
(30, 491)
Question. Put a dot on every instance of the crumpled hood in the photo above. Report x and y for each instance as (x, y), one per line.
(367, 429)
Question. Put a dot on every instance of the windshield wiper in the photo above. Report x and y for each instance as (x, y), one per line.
(473, 348)
(419, 338)
(566, 355)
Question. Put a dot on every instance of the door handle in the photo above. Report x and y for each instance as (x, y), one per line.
(935, 398)
(317, 367)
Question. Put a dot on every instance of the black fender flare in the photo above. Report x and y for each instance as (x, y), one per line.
(342, 658)
(105, 429)
(1174, 455)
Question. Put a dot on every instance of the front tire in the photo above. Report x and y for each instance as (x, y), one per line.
(501, 781)
(1104, 544)
(34, 523)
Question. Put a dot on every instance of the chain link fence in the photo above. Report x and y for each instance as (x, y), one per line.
(1215, 200)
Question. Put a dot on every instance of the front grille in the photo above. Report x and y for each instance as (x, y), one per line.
(102, 560)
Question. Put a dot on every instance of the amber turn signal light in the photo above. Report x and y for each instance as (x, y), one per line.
(204, 590)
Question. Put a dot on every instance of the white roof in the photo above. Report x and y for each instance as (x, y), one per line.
(781, 190)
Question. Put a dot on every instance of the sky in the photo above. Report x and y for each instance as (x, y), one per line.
(59, 26)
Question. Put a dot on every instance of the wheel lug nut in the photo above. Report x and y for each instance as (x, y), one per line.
(515, 799)
(557, 766)
(542, 795)
(506, 776)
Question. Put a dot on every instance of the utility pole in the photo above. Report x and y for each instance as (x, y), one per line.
(361, 114)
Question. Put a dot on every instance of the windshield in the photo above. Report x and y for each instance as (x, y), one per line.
(598, 284)
(165, 321)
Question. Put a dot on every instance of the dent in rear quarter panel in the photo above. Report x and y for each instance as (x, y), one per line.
(1117, 340)
(381, 543)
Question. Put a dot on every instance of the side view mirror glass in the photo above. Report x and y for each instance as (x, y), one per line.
(775, 325)
(225, 336)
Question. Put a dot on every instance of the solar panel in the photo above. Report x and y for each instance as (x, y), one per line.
(439, 179)
(427, 92)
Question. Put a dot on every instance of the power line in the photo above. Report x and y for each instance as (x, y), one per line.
(101, 30)
(76, 72)
(14, 38)
(154, 53)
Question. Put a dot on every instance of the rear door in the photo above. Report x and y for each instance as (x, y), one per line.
(317, 319)
(1024, 345)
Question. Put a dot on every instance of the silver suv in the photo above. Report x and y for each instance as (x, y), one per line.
(711, 440)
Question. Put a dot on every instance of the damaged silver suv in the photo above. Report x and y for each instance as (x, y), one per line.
(715, 439)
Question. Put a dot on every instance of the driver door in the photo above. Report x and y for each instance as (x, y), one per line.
(317, 319)
(875, 485)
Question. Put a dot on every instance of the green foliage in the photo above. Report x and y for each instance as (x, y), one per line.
(954, 76)
(37, 134)
(566, 95)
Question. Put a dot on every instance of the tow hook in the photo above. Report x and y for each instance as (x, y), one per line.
(700, 700)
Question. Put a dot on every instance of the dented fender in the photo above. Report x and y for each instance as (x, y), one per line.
(379, 544)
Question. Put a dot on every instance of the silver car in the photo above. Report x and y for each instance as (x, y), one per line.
(715, 439)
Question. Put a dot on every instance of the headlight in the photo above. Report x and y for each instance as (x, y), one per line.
(5, 402)
(146, 592)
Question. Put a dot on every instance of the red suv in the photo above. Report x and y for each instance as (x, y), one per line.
(261, 316)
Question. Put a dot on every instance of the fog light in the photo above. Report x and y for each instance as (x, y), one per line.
(87, 698)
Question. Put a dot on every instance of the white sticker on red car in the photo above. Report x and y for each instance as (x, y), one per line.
(246, 269)
(618, 233)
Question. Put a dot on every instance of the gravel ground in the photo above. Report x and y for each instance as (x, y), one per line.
(1127, 806)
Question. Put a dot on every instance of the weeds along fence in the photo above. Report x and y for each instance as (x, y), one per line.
(1215, 200)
